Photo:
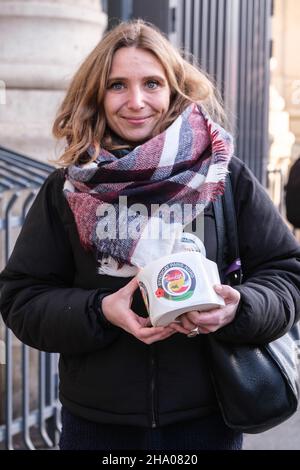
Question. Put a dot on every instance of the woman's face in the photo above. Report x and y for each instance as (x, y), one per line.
(137, 94)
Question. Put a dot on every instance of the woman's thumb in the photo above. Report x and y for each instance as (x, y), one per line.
(227, 292)
(132, 285)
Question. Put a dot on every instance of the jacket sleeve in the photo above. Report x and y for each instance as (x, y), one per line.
(37, 298)
(270, 256)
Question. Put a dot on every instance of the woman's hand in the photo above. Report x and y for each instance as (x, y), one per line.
(116, 308)
(208, 322)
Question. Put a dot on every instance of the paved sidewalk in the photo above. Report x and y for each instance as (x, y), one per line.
(286, 436)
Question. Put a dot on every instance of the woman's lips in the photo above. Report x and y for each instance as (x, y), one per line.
(136, 120)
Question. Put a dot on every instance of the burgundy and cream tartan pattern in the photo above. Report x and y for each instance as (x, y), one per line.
(185, 164)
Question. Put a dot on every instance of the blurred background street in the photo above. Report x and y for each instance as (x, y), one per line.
(286, 436)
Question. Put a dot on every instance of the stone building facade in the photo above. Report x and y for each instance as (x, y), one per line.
(42, 43)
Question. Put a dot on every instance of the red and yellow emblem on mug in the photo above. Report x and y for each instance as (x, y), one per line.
(175, 281)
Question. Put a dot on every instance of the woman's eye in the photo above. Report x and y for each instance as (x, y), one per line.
(116, 86)
(152, 84)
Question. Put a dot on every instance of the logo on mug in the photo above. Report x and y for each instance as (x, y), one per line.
(175, 281)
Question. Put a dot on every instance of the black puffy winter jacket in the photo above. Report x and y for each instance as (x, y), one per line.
(49, 298)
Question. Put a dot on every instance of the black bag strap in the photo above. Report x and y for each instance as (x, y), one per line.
(228, 257)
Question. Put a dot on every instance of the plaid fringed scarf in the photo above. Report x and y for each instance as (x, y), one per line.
(120, 204)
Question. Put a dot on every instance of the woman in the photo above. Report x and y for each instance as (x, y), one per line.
(141, 122)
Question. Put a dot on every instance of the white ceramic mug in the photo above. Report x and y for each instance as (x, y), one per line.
(179, 283)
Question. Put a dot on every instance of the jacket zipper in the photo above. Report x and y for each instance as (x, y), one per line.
(152, 389)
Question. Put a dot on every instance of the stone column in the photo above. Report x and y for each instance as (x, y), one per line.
(42, 44)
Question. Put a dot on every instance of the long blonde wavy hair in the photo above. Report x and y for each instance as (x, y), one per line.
(81, 119)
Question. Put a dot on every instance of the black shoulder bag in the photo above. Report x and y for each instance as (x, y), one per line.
(257, 387)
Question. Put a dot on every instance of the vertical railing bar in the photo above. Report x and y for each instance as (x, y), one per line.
(42, 424)
(26, 398)
(229, 50)
(8, 345)
(49, 396)
(204, 34)
(54, 395)
(8, 391)
(252, 78)
(58, 406)
(281, 200)
(191, 28)
(249, 78)
(220, 46)
(26, 393)
(232, 64)
(259, 94)
(187, 29)
(51, 380)
(126, 10)
(180, 24)
(242, 80)
(183, 22)
(26, 204)
(196, 21)
(212, 38)
(261, 108)
(10, 204)
(266, 39)
(257, 91)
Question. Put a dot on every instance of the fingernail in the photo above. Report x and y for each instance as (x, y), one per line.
(218, 288)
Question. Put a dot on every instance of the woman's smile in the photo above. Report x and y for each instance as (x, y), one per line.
(136, 120)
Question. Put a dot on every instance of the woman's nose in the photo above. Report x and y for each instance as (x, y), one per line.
(136, 99)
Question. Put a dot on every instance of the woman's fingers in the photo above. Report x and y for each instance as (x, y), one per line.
(179, 328)
(228, 293)
(141, 328)
(186, 320)
(208, 328)
(210, 321)
(153, 334)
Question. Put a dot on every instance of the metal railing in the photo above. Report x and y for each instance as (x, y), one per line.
(231, 40)
(29, 414)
